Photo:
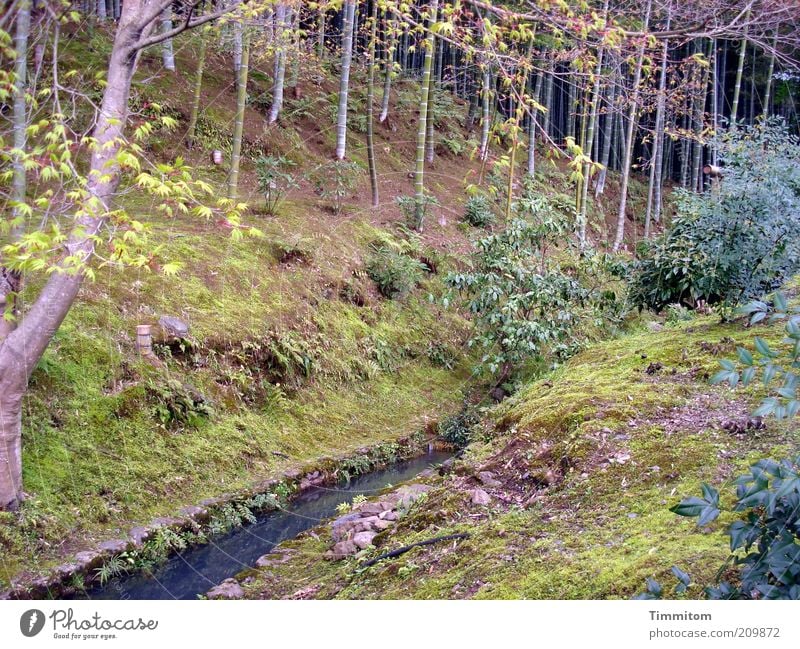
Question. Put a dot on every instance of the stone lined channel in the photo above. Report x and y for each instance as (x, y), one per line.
(196, 570)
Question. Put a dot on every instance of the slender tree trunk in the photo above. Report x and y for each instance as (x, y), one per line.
(238, 126)
(548, 105)
(608, 133)
(422, 126)
(21, 350)
(737, 88)
(628, 155)
(658, 140)
(486, 94)
(583, 217)
(373, 172)
(102, 14)
(279, 69)
(474, 100)
(388, 68)
(167, 54)
(294, 35)
(532, 125)
(770, 73)
(191, 133)
(344, 85)
(429, 142)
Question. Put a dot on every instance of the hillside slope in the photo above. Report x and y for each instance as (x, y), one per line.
(580, 469)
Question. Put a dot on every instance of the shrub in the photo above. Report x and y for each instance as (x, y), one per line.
(395, 274)
(778, 366)
(457, 430)
(336, 180)
(523, 305)
(177, 404)
(478, 211)
(415, 210)
(736, 241)
(274, 180)
(764, 539)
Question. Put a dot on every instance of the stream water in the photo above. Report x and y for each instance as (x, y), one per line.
(193, 572)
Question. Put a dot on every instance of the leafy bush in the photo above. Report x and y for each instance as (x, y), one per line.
(336, 180)
(523, 305)
(478, 211)
(177, 404)
(779, 366)
(274, 180)
(765, 538)
(394, 273)
(737, 241)
(415, 210)
(457, 430)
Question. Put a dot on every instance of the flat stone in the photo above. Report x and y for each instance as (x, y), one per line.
(480, 497)
(114, 547)
(88, 560)
(65, 569)
(487, 478)
(388, 516)
(194, 512)
(173, 327)
(138, 535)
(168, 521)
(343, 549)
(371, 509)
(407, 494)
(343, 525)
(228, 589)
(364, 539)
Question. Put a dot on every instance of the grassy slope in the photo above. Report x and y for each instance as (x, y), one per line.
(97, 460)
(589, 460)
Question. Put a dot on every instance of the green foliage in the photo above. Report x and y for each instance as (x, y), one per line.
(458, 429)
(737, 241)
(336, 180)
(177, 404)
(764, 538)
(415, 210)
(274, 180)
(523, 304)
(478, 211)
(779, 367)
(395, 274)
(677, 313)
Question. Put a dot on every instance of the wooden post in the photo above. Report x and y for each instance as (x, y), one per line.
(144, 341)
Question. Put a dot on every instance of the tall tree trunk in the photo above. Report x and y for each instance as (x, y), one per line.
(486, 94)
(608, 132)
(589, 139)
(102, 13)
(21, 350)
(10, 281)
(344, 84)
(373, 172)
(294, 37)
(537, 94)
(429, 142)
(422, 125)
(658, 139)
(279, 69)
(737, 88)
(238, 125)
(167, 54)
(191, 132)
(628, 155)
(388, 68)
(770, 73)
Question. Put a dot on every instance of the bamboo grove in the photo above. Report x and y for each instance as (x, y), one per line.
(633, 86)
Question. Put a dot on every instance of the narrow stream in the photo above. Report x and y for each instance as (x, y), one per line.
(194, 571)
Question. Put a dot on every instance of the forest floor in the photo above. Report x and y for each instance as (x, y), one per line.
(292, 349)
(580, 469)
